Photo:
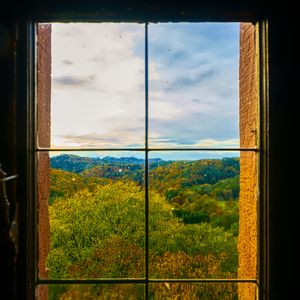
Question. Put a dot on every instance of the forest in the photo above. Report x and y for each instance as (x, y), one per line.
(97, 224)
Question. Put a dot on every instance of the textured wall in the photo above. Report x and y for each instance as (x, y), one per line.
(248, 94)
(43, 136)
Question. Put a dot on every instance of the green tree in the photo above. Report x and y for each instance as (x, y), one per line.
(100, 232)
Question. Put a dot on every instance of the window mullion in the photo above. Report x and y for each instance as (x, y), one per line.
(146, 166)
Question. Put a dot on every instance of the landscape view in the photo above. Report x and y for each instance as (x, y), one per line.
(97, 218)
(109, 95)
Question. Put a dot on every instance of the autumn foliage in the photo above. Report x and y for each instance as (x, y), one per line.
(98, 230)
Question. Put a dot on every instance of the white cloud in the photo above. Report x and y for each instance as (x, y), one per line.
(101, 87)
(164, 110)
(207, 143)
(98, 85)
(196, 73)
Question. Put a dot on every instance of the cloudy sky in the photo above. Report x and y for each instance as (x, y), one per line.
(98, 85)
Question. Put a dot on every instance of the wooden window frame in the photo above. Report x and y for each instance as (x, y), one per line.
(27, 79)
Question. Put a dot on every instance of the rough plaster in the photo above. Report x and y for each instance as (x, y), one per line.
(43, 160)
(248, 94)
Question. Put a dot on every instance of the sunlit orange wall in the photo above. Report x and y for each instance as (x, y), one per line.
(43, 136)
(248, 94)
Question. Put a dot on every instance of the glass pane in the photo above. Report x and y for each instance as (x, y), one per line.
(91, 215)
(193, 88)
(203, 291)
(97, 86)
(194, 214)
(91, 291)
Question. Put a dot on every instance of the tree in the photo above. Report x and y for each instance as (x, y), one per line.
(101, 233)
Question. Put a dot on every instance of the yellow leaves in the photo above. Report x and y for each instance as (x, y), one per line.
(167, 285)
(181, 265)
(104, 292)
(100, 232)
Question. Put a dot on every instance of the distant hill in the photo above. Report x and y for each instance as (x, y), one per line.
(193, 187)
(64, 183)
(163, 175)
(78, 164)
(73, 163)
(188, 174)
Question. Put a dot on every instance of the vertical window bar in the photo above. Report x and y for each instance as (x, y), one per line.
(146, 88)
(146, 168)
(264, 160)
(32, 255)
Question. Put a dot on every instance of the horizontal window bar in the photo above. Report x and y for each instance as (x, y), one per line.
(143, 149)
(92, 281)
(140, 280)
(203, 149)
(88, 149)
(206, 280)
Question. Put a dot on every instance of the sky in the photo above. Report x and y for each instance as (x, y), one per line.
(98, 85)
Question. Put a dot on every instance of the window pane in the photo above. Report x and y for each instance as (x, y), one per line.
(203, 291)
(194, 214)
(97, 88)
(91, 205)
(91, 215)
(193, 88)
(91, 291)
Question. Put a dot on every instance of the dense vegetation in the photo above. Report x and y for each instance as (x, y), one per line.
(97, 218)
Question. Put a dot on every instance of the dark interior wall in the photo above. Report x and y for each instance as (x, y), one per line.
(7, 95)
(282, 163)
(7, 148)
(283, 156)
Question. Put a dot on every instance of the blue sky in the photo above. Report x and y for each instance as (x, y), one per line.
(98, 97)
(196, 79)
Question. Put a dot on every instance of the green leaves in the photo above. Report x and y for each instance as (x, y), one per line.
(98, 226)
(84, 226)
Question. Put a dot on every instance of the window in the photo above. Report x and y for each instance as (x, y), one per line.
(151, 144)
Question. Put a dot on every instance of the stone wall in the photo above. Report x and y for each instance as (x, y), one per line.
(43, 138)
(248, 95)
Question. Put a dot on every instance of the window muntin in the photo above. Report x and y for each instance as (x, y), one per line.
(215, 150)
(213, 290)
